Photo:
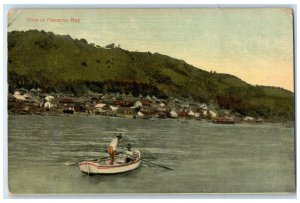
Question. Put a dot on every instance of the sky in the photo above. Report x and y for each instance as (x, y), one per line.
(255, 45)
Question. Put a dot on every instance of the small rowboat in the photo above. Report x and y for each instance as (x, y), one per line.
(120, 166)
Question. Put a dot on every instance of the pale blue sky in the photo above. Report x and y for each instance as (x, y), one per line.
(253, 44)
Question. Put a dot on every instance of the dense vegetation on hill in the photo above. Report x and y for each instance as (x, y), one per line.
(58, 63)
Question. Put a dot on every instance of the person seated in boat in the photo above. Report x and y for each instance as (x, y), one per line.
(112, 148)
(129, 154)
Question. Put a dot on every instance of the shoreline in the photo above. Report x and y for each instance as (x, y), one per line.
(182, 119)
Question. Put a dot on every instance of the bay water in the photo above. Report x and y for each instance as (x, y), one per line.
(205, 157)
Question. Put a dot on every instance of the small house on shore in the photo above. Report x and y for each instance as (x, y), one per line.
(122, 103)
(248, 118)
(146, 102)
(102, 107)
(19, 96)
(126, 112)
(137, 105)
(69, 104)
(173, 114)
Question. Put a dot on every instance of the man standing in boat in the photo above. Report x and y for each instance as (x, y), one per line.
(112, 148)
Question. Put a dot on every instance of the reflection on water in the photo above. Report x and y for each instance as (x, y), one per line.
(206, 157)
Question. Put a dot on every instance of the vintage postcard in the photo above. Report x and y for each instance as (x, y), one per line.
(151, 101)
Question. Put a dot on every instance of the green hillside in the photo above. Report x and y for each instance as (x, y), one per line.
(57, 63)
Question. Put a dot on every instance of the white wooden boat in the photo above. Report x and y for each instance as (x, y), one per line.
(120, 166)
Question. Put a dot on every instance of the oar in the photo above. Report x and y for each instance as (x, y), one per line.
(149, 162)
(156, 164)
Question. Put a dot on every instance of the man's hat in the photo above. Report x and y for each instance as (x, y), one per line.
(128, 146)
(119, 136)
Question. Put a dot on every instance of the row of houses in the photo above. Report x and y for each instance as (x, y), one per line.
(108, 104)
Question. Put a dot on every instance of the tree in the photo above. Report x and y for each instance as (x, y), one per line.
(83, 40)
(110, 46)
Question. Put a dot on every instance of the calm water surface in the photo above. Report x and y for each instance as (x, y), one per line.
(206, 157)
